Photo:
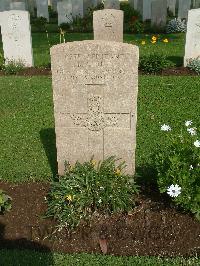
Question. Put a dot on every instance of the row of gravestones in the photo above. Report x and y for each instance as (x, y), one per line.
(107, 24)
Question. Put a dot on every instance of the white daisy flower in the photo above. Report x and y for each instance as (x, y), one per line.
(100, 200)
(165, 128)
(191, 167)
(188, 123)
(174, 191)
(197, 143)
(192, 131)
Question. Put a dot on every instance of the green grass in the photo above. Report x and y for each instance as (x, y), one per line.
(27, 137)
(174, 50)
(32, 258)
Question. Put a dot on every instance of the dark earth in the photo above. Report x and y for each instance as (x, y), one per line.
(176, 71)
(154, 227)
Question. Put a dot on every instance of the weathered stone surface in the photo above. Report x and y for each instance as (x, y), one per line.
(95, 86)
(17, 6)
(16, 36)
(64, 11)
(183, 8)
(108, 25)
(77, 8)
(111, 4)
(159, 13)
(192, 46)
(42, 9)
(5, 5)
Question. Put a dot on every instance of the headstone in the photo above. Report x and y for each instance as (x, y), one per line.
(108, 25)
(111, 4)
(87, 4)
(16, 36)
(77, 8)
(144, 7)
(192, 46)
(42, 9)
(5, 5)
(64, 11)
(183, 8)
(196, 3)
(158, 13)
(171, 5)
(95, 86)
(17, 6)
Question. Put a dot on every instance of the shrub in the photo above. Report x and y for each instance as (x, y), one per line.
(154, 63)
(13, 67)
(176, 25)
(40, 23)
(178, 166)
(90, 188)
(194, 64)
(5, 202)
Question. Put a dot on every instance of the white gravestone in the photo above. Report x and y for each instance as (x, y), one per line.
(192, 46)
(42, 9)
(77, 8)
(17, 6)
(64, 11)
(95, 87)
(108, 25)
(183, 8)
(159, 13)
(16, 36)
(111, 4)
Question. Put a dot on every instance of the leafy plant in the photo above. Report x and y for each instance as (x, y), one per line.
(5, 202)
(178, 166)
(40, 23)
(176, 25)
(13, 67)
(90, 188)
(194, 64)
(154, 63)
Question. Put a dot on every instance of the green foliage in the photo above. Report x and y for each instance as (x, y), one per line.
(90, 188)
(13, 67)
(5, 202)
(194, 64)
(176, 25)
(154, 63)
(40, 23)
(178, 163)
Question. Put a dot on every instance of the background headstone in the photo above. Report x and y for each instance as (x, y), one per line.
(171, 5)
(108, 25)
(17, 6)
(64, 11)
(95, 86)
(77, 8)
(144, 7)
(88, 4)
(192, 46)
(111, 4)
(183, 8)
(54, 5)
(5, 5)
(158, 13)
(16, 36)
(42, 9)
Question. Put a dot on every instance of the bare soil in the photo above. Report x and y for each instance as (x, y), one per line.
(153, 228)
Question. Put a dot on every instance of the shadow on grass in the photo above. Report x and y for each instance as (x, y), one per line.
(48, 139)
(177, 60)
(23, 252)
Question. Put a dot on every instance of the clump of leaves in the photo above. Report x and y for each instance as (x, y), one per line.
(12, 67)
(178, 166)
(5, 202)
(90, 188)
(154, 63)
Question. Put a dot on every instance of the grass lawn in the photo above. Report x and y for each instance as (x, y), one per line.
(174, 50)
(31, 258)
(27, 137)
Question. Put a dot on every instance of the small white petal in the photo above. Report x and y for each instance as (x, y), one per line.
(165, 128)
(197, 143)
(188, 123)
(192, 131)
(191, 167)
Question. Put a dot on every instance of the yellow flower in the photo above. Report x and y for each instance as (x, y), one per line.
(68, 198)
(143, 42)
(93, 162)
(153, 41)
(117, 171)
(166, 40)
(154, 38)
